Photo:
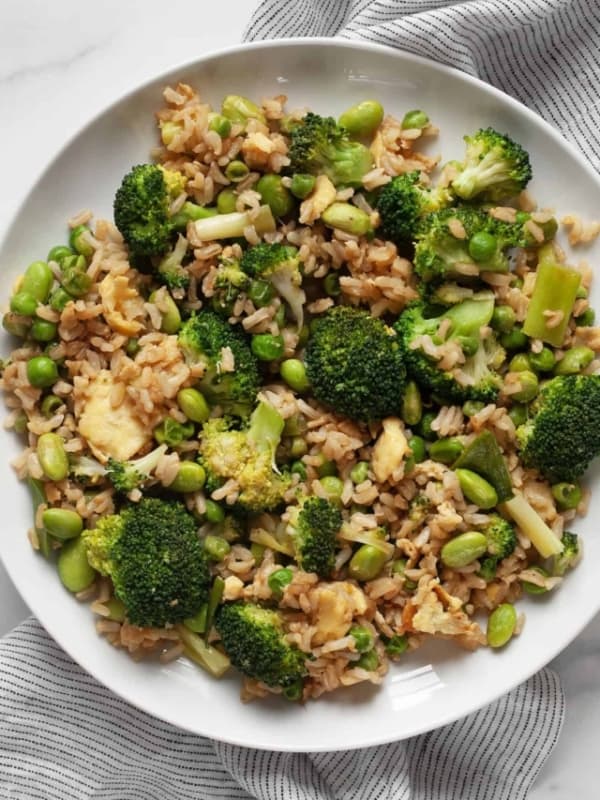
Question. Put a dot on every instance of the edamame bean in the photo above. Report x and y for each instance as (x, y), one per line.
(74, 570)
(472, 407)
(347, 218)
(368, 661)
(412, 406)
(193, 405)
(476, 489)
(362, 119)
(366, 563)
(24, 304)
(302, 185)
(425, 428)
(463, 549)
(41, 372)
(50, 405)
(415, 119)
(267, 347)
(418, 449)
(529, 387)
(240, 109)
(567, 495)
(226, 200)
(275, 195)
(482, 246)
(37, 281)
(293, 372)
(397, 645)
(219, 124)
(501, 625)
(331, 284)
(59, 252)
(278, 580)
(446, 451)
(216, 547)
(543, 361)
(519, 363)
(514, 339)
(190, 478)
(213, 511)
(78, 242)
(59, 298)
(62, 523)
(363, 638)
(359, 472)
(75, 280)
(171, 318)
(518, 414)
(44, 331)
(236, 171)
(533, 588)
(16, 325)
(52, 456)
(333, 487)
(574, 361)
(503, 319)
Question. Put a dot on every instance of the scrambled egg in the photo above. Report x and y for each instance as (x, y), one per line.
(434, 611)
(389, 450)
(336, 606)
(122, 303)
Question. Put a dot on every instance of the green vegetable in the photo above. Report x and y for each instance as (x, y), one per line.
(518, 414)
(171, 318)
(545, 541)
(570, 554)
(78, 242)
(226, 201)
(534, 588)
(205, 655)
(368, 661)
(446, 450)
(232, 226)
(503, 319)
(529, 387)
(37, 281)
(190, 478)
(484, 457)
(417, 446)
(197, 623)
(173, 433)
(333, 487)
(62, 523)
(24, 304)
(279, 265)
(359, 472)
(302, 185)
(267, 347)
(239, 109)
(16, 325)
(574, 361)
(275, 195)
(331, 284)
(363, 119)
(472, 407)
(216, 548)
(425, 428)
(476, 489)
(397, 645)
(219, 124)
(482, 246)
(59, 298)
(514, 340)
(363, 638)
(463, 549)
(52, 456)
(74, 571)
(313, 527)
(213, 511)
(519, 363)
(59, 252)
(43, 331)
(278, 580)
(415, 119)
(190, 212)
(236, 171)
(543, 361)
(412, 406)
(501, 625)
(38, 498)
(567, 495)
(20, 423)
(555, 290)
(298, 468)
(347, 218)
(366, 563)
(293, 372)
(193, 404)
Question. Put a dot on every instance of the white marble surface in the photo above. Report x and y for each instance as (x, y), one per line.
(61, 62)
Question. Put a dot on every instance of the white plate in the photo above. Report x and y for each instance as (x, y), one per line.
(439, 683)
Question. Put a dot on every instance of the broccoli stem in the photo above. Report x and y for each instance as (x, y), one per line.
(214, 598)
(38, 496)
(205, 655)
(190, 212)
(231, 226)
(555, 290)
(265, 539)
(266, 426)
(545, 541)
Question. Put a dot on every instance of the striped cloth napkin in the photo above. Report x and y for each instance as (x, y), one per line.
(65, 737)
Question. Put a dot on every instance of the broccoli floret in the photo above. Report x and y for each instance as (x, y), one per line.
(279, 264)
(253, 638)
(153, 555)
(230, 281)
(419, 508)
(474, 379)
(562, 435)
(320, 145)
(354, 363)
(87, 470)
(202, 338)
(441, 255)
(501, 536)
(313, 527)
(495, 167)
(128, 475)
(570, 555)
(404, 201)
(170, 270)
(247, 456)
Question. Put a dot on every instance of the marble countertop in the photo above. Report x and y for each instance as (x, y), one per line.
(62, 62)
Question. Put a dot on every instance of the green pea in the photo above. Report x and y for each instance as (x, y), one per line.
(476, 489)
(468, 344)
(501, 625)
(418, 449)
(399, 568)
(236, 171)
(503, 319)
(298, 447)
(226, 201)
(366, 563)
(520, 363)
(132, 348)
(278, 580)
(62, 523)
(52, 456)
(213, 511)
(302, 185)
(586, 319)
(74, 570)
(333, 487)
(59, 252)
(41, 372)
(50, 405)
(24, 304)
(44, 331)
(193, 405)
(59, 298)
(293, 691)
(581, 293)
(190, 478)
(543, 361)
(75, 280)
(299, 468)
(368, 661)
(219, 124)
(359, 472)
(529, 387)
(514, 339)
(567, 495)
(424, 426)
(397, 645)
(574, 361)
(275, 195)
(472, 407)
(239, 109)
(348, 218)
(331, 284)
(216, 547)
(415, 119)
(293, 372)
(16, 325)
(37, 281)
(326, 468)
(482, 246)
(463, 549)
(363, 638)
(78, 242)
(446, 451)
(519, 415)
(412, 406)
(267, 347)
(116, 609)
(20, 423)
(362, 119)
(533, 588)
(261, 293)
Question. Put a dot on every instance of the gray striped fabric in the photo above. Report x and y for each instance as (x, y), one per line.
(65, 737)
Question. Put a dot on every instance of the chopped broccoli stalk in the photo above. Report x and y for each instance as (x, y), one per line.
(170, 269)
(248, 456)
(205, 655)
(253, 638)
(128, 475)
(313, 527)
(230, 281)
(87, 470)
(233, 225)
(404, 202)
(495, 167)
(474, 379)
(354, 364)
(202, 339)
(319, 145)
(154, 558)
(545, 541)
(190, 212)
(562, 434)
(38, 498)
(555, 290)
(570, 555)
(484, 457)
(279, 264)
